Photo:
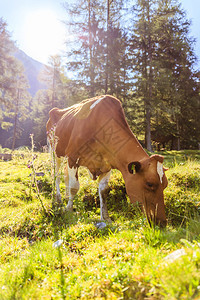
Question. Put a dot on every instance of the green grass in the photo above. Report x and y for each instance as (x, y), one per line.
(125, 260)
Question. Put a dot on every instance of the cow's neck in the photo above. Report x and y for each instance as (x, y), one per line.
(131, 151)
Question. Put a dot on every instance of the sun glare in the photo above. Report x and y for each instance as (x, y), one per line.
(44, 34)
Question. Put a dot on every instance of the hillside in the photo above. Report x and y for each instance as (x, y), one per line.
(32, 69)
(49, 253)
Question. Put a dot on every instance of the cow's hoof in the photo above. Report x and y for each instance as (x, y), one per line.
(100, 225)
(106, 219)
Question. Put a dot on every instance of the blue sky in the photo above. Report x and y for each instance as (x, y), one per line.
(26, 23)
(36, 26)
(192, 7)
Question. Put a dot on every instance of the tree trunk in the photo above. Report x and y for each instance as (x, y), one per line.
(148, 129)
(178, 134)
(54, 87)
(107, 46)
(91, 73)
(149, 85)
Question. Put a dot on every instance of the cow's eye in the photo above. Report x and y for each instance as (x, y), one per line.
(149, 184)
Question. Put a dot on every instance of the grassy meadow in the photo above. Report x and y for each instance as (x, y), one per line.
(48, 253)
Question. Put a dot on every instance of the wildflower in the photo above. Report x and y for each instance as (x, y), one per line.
(57, 243)
(30, 164)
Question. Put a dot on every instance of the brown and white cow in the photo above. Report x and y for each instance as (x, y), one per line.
(95, 134)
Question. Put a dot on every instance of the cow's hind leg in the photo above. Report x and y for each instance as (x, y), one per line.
(72, 185)
(103, 185)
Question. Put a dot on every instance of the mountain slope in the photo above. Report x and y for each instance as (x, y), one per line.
(32, 69)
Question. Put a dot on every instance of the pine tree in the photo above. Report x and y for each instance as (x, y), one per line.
(87, 50)
(176, 66)
(7, 65)
(14, 97)
(116, 66)
(52, 76)
(59, 93)
(143, 47)
(21, 101)
(163, 59)
(98, 54)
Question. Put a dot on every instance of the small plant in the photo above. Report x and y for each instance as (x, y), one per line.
(56, 211)
(53, 140)
(182, 197)
(33, 174)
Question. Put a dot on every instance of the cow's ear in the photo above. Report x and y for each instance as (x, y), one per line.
(134, 167)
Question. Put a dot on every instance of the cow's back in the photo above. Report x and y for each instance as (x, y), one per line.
(79, 126)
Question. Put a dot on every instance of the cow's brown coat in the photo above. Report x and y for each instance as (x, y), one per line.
(99, 138)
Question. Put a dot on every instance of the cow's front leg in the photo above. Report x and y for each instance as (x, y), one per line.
(71, 184)
(103, 185)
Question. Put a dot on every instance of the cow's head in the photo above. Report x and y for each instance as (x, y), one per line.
(145, 181)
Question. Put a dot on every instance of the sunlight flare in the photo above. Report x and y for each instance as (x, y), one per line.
(44, 34)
